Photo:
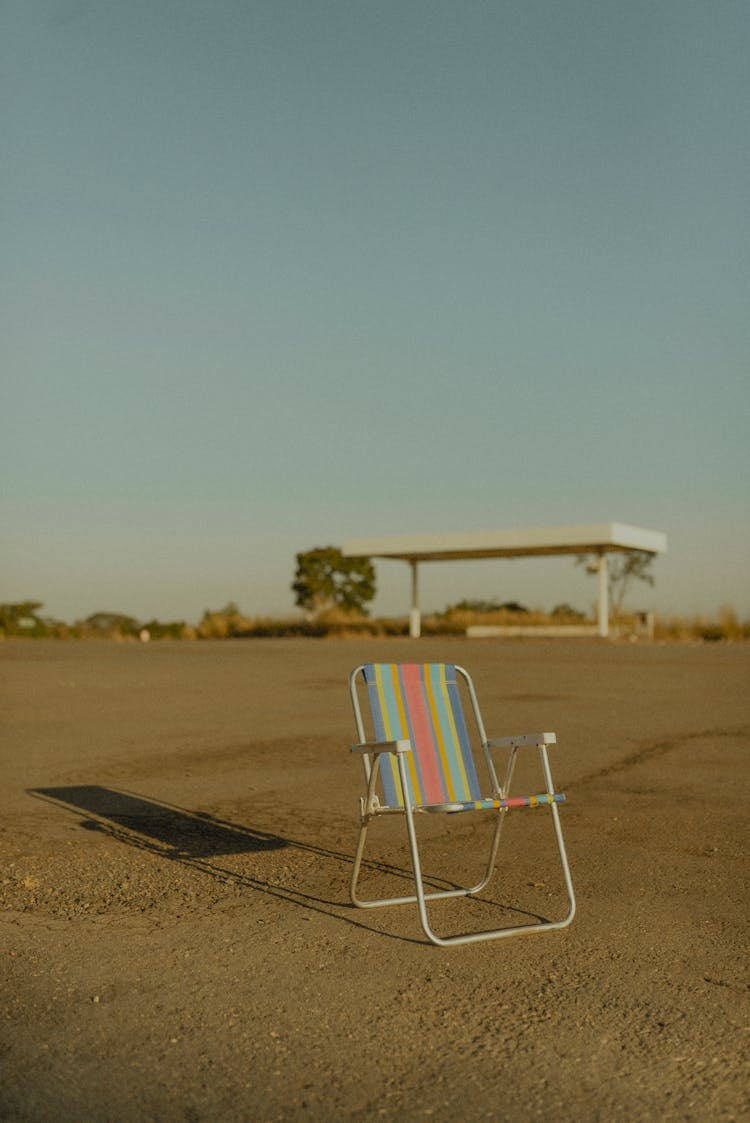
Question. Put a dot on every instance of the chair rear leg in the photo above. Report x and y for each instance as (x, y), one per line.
(420, 898)
(411, 899)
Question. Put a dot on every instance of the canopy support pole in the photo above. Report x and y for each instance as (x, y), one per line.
(603, 601)
(415, 619)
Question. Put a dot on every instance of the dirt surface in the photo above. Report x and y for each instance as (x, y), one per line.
(176, 943)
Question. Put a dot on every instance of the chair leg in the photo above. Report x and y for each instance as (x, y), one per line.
(412, 899)
(420, 898)
(566, 868)
(559, 836)
(492, 857)
(492, 934)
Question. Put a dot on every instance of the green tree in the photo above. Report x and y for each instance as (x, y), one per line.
(112, 624)
(622, 571)
(325, 579)
(468, 605)
(22, 619)
(159, 629)
(487, 606)
(566, 613)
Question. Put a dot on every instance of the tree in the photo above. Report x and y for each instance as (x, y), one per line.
(326, 579)
(112, 624)
(487, 606)
(622, 570)
(566, 613)
(227, 621)
(22, 619)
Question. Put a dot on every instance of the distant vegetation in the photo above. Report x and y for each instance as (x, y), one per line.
(23, 619)
(333, 593)
(26, 620)
(727, 626)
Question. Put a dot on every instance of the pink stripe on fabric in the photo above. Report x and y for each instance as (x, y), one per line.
(429, 765)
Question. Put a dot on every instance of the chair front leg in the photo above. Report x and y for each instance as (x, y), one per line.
(559, 836)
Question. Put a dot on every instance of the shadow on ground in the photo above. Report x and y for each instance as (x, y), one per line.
(195, 839)
(172, 831)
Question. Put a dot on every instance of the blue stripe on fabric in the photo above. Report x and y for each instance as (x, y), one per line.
(388, 768)
(463, 735)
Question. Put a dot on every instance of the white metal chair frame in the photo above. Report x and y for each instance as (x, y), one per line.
(371, 808)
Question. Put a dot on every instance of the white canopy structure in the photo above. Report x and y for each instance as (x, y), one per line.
(600, 539)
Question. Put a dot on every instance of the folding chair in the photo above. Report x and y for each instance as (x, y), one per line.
(422, 748)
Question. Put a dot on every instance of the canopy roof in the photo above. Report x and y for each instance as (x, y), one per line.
(599, 538)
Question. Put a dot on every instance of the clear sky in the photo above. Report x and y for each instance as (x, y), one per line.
(279, 273)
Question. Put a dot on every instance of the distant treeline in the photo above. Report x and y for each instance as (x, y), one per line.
(26, 620)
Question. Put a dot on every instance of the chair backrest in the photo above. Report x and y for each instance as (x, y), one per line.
(421, 702)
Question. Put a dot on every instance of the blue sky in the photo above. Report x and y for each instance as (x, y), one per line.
(279, 274)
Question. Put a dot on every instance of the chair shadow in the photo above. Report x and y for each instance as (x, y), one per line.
(173, 831)
(195, 839)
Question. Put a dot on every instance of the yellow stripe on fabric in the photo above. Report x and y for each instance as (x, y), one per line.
(454, 731)
(450, 789)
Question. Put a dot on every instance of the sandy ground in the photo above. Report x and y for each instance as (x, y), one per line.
(176, 943)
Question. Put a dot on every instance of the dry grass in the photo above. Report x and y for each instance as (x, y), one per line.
(727, 626)
(230, 623)
(335, 623)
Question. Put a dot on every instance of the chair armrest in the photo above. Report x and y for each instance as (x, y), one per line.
(522, 740)
(381, 747)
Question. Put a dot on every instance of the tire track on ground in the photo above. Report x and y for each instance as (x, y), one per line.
(651, 750)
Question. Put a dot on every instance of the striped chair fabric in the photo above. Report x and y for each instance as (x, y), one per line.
(421, 702)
